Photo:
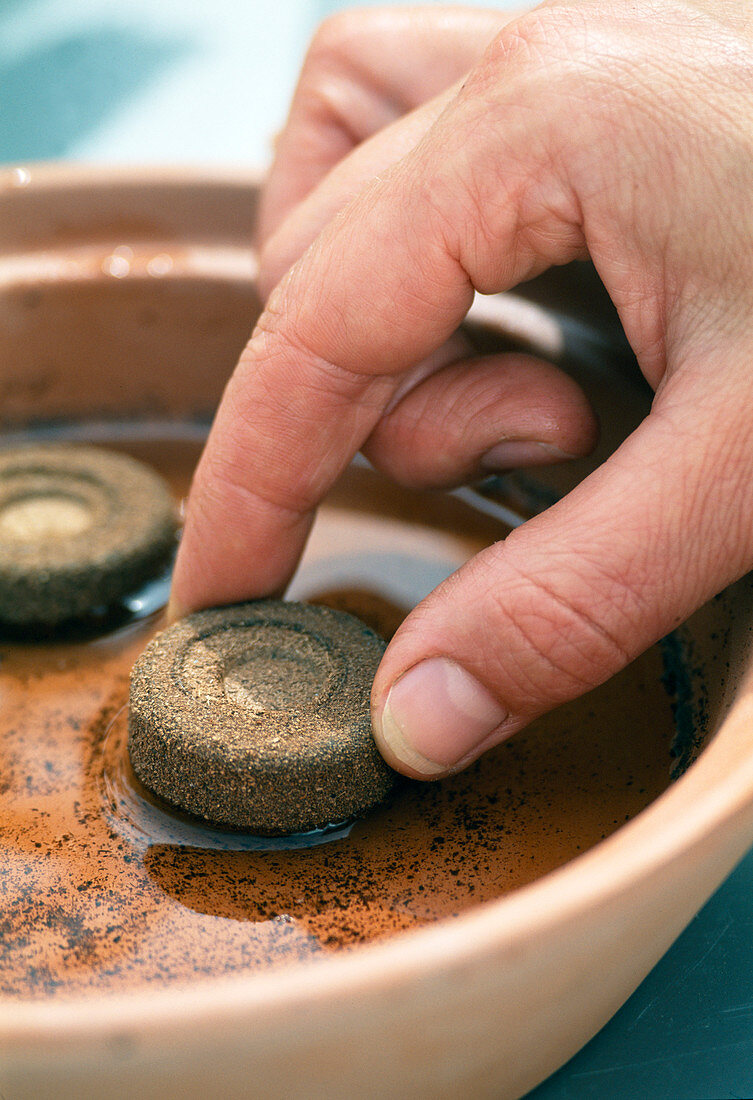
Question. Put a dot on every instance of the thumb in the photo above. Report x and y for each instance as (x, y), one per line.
(576, 593)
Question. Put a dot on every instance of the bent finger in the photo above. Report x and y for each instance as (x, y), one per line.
(363, 70)
(383, 286)
(575, 594)
(481, 415)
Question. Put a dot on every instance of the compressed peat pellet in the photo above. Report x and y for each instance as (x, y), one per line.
(80, 528)
(256, 717)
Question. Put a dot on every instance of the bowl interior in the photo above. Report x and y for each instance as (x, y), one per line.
(123, 308)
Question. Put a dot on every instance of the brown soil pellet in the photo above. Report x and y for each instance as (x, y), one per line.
(80, 527)
(256, 717)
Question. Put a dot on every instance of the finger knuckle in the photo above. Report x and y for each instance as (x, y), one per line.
(333, 37)
(236, 486)
(539, 40)
(330, 70)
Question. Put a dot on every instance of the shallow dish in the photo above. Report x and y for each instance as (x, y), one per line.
(465, 940)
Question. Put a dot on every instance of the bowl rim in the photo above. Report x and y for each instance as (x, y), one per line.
(712, 796)
(29, 176)
(613, 867)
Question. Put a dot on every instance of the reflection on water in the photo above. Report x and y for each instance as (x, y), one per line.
(144, 820)
(145, 602)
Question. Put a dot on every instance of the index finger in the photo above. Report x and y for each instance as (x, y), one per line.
(375, 293)
(385, 284)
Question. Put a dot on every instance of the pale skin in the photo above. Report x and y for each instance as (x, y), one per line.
(433, 152)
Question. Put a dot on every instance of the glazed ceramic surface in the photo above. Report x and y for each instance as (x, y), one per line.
(467, 937)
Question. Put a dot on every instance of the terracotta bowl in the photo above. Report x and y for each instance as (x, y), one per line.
(125, 298)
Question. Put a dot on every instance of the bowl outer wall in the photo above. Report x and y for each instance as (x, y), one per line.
(494, 1000)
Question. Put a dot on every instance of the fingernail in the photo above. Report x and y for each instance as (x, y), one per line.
(521, 452)
(435, 716)
(175, 610)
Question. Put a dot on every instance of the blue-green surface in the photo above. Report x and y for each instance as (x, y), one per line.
(687, 1031)
(170, 81)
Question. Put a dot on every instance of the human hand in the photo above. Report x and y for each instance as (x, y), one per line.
(364, 70)
(614, 130)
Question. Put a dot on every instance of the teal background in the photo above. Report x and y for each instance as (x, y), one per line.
(208, 83)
